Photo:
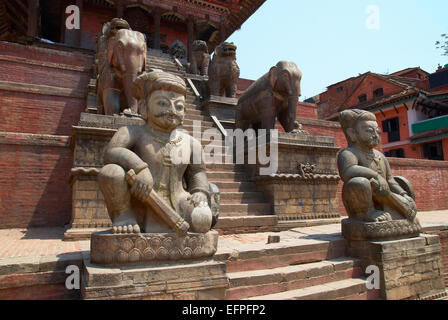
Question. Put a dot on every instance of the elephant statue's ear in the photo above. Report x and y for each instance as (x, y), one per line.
(273, 76)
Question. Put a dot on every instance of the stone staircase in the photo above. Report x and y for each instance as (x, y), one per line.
(243, 208)
(295, 269)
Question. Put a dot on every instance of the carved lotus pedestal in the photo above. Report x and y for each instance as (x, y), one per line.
(107, 248)
(396, 229)
(153, 266)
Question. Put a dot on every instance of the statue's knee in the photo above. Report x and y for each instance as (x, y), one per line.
(358, 185)
(111, 174)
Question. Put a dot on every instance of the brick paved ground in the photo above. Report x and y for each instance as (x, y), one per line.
(35, 242)
(41, 242)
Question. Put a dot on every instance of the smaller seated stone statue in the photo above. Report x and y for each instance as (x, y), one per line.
(379, 205)
(143, 184)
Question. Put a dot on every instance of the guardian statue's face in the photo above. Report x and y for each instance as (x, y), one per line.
(166, 110)
(368, 133)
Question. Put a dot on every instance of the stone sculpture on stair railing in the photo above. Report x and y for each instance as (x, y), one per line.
(380, 206)
(200, 59)
(121, 54)
(274, 95)
(148, 188)
(223, 71)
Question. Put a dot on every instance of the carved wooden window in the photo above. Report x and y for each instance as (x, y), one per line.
(396, 153)
(433, 151)
(392, 127)
(378, 93)
(362, 98)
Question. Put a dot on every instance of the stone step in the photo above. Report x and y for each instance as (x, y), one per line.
(197, 112)
(168, 69)
(190, 129)
(234, 176)
(246, 224)
(203, 123)
(163, 66)
(291, 250)
(242, 197)
(244, 209)
(199, 117)
(254, 283)
(338, 290)
(231, 186)
(225, 167)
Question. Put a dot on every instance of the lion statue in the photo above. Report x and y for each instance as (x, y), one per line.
(223, 71)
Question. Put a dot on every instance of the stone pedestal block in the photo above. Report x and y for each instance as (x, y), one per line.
(409, 268)
(89, 140)
(306, 181)
(107, 248)
(222, 108)
(195, 280)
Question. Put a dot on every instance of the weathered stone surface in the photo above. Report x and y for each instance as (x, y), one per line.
(305, 184)
(200, 59)
(358, 230)
(379, 205)
(409, 268)
(274, 95)
(221, 107)
(147, 168)
(223, 71)
(121, 56)
(164, 281)
(118, 249)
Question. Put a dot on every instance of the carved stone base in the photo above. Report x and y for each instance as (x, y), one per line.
(408, 268)
(205, 280)
(305, 184)
(117, 249)
(388, 230)
(221, 107)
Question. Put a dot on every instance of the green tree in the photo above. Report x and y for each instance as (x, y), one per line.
(443, 44)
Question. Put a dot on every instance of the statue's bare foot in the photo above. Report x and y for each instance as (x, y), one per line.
(125, 223)
(378, 216)
(128, 112)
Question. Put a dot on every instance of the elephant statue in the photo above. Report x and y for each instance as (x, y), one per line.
(200, 59)
(275, 94)
(223, 72)
(121, 59)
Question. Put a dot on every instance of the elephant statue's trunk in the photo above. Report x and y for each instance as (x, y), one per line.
(292, 102)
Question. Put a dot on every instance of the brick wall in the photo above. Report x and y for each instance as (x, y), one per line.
(307, 110)
(34, 188)
(368, 86)
(428, 178)
(41, 90)
(41, 97)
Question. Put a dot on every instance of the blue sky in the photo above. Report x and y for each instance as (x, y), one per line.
(330, 40)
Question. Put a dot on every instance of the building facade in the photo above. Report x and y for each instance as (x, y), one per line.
(162, 22)
(411, 114)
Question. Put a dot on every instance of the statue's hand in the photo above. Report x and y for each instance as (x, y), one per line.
(383, 188)
(142, 185)
(409, 200)
(199, 199)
